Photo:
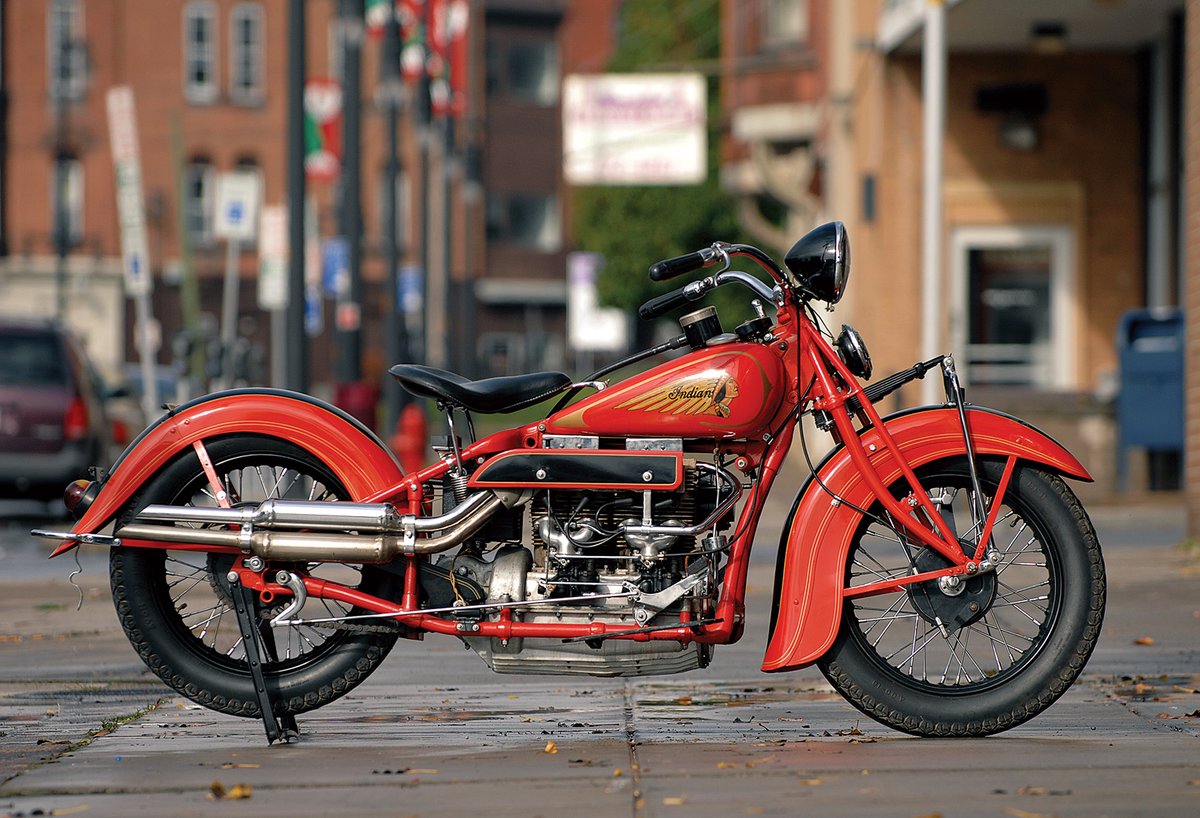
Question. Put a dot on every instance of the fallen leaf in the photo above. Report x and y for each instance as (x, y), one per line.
(551, 748)
(684, 700)
(1031, 791)
(1021, 813)
(725, 765)
(75, 810)
(238, 791)
(617, 773)
(674, 801)
(810, 782)
(1143, 640)
(1195, 714)
(233, 765)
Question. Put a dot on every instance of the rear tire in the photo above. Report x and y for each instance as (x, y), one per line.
(176, 609)
(1022, 635)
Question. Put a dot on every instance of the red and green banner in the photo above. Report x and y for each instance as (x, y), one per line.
(322, 130)
(433, 42)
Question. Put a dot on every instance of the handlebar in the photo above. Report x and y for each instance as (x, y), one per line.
(677, 266)
(693, 291)
(663, 304)
(718, 251)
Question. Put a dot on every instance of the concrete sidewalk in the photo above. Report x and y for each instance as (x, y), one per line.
(434, 733)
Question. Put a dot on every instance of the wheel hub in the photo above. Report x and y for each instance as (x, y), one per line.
(955, 602)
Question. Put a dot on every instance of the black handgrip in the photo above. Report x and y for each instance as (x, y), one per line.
(663, 304)
(672, 267)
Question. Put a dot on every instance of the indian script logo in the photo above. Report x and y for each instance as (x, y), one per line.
(705, 395)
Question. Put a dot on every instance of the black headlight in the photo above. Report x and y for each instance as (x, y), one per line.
(853, 352)
(820, 262)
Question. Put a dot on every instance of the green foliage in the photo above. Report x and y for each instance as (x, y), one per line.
(635, 226)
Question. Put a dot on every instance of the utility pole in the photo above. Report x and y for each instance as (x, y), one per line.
(296, 343)
(350, 338)
(395, 331)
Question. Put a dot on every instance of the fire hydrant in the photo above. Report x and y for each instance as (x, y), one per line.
(408, 441)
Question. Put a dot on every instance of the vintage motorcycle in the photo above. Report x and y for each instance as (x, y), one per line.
(267, 551)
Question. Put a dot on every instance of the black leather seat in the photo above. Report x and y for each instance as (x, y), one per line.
(487, 396)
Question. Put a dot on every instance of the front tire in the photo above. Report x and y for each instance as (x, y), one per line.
(176, 608)
(1015, 639)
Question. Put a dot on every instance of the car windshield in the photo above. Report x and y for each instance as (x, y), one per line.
(31, 360)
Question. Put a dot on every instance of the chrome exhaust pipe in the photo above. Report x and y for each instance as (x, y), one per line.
(395, 534)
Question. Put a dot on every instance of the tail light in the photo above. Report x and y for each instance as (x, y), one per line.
(120, 432)
(75, 422)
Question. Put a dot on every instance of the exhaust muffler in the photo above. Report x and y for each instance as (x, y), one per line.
(389, 533)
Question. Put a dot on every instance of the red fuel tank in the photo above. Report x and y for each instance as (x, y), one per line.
(726, 391)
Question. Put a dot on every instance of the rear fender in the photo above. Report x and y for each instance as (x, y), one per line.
(360, 460)
(816, 539)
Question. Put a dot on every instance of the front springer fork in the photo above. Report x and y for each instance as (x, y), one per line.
(980, 521)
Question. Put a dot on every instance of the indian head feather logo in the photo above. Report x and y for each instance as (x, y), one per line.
(703, 395)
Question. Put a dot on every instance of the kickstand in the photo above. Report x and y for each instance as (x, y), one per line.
(283, 728)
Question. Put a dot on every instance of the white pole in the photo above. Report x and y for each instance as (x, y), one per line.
(229, 313)
(933, 96)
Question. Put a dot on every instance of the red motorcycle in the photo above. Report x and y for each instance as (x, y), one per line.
(267, 550)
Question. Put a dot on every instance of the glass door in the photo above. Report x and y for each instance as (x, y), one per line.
(1012, 321)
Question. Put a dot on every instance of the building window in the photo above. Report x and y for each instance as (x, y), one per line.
(1014, 306)
(524, 71)
(200, 52)
(526, 219)
(199, 180)
(67, 68)
(66, 201)
(246, 54)
(785, 22)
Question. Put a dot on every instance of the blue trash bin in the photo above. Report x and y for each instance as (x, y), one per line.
(1150, 347)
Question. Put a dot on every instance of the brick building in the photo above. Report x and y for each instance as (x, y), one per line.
(1060, 192)
(209, 78)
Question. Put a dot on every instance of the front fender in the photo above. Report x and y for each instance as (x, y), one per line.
(359, 459)
(816, 541)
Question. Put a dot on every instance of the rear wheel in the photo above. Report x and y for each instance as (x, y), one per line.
(177, 610)
(982, 656)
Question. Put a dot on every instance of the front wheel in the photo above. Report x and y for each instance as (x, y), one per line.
(994, 651)
(177, 607)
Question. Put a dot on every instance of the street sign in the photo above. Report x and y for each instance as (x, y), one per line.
(131, 213)
(273, 258)
(237, 199)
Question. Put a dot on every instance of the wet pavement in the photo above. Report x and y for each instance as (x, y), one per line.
(86, 730)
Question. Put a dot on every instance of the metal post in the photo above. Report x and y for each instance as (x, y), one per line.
(350, 340)
(394, 329)
(933, 97)
(296, 343)
(230, 296)
(62, 237)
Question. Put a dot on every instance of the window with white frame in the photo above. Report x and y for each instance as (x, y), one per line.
(66, 199)
(200, 52)
(785, 22)
(246, 53)
(66, 50)
(199, 181)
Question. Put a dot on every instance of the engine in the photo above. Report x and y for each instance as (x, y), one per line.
(580, 552)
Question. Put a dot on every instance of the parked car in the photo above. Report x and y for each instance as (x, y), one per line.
(53, 423)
